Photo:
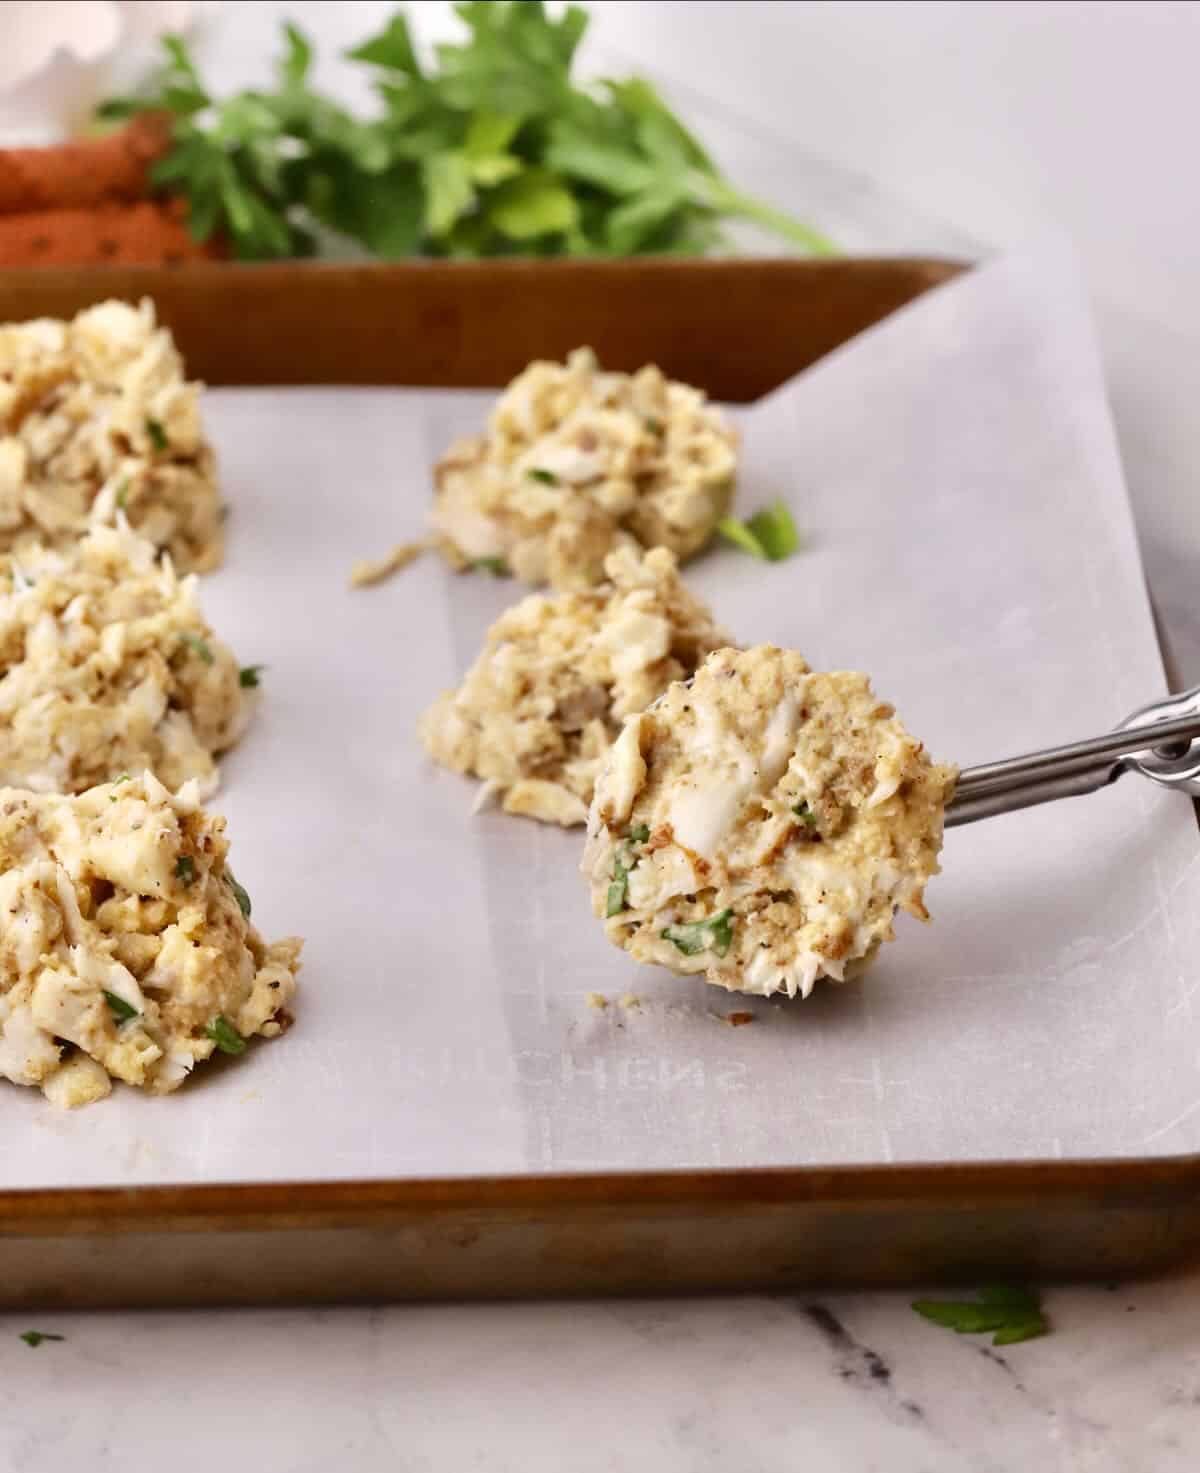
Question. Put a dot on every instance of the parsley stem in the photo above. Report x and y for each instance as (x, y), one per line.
(718, 195)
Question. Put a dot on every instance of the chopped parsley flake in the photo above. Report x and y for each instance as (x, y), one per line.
(623, 861)
(121, 1010)
(539, 473)
(805, 814)
(1009, 1315)
(248, 676)
(123, 494)
(34, 1338)
(618, 890)
(158, 436)
(655, 425)
(198, 646)
(185, 869)
(239, 894)
(496, 566)
(225, 1035)
(714, 933)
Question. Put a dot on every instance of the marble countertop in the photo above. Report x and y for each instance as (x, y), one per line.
(924, 127)
(823, 1383)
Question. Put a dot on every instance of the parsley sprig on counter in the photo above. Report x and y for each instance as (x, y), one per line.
(492, 149)
(1009, 1315)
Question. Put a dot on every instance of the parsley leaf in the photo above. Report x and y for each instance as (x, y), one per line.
(158, 436)
(538, 473)
(226, 1037)
(714, 933)
(775, 529)
(248, 676)
(770, 534)
(805, 814)
(239, 894)
(121, 1010)
(741, 536)
(496, 566)
(185, 869)
(492, 149)
(122, 495)
(1009, 1315)
(34, 1338)
(198, 646)
(392, 48)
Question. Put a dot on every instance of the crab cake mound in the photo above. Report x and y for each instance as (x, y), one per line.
(762, 826)
(107, 667)
(558, 674)
(95, 418)
(126, 949)
(577, 462)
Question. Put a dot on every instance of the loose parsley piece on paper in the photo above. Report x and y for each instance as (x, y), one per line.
(769, 534)
(715, 933)
(198, 646)
(121, 1010)
(226, 1037)
(496, 566)
(1009, 1315)
(34, 1338)
(249, 676)
(488, 148)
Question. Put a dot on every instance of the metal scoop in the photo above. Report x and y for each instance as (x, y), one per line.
(1160, 741)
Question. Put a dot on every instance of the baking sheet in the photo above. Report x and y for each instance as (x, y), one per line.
(968, 541)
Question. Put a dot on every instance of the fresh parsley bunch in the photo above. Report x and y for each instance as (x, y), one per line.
(491, 151)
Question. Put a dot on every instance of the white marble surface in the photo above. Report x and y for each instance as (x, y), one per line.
(754, 1385)
(927, 125)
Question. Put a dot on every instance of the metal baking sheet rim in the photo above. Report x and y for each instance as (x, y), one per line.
(660, 1232)
(518, 1236)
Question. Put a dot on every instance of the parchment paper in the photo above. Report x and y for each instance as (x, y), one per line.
(968, 541)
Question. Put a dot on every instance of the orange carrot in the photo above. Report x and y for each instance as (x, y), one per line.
(89, 172)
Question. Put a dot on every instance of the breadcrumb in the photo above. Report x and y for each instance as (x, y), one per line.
(367, 572)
